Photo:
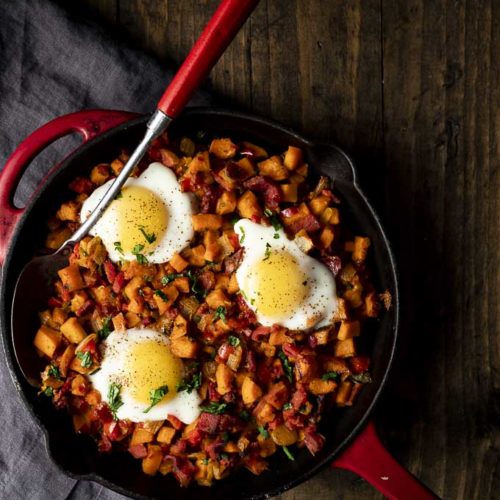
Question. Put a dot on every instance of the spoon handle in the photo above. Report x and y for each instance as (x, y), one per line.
(217, 35)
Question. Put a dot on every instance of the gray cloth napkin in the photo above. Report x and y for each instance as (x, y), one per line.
(52, 63)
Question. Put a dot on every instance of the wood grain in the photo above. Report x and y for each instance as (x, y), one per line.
(412, 89)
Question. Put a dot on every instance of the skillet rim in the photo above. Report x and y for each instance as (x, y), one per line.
(254, 120)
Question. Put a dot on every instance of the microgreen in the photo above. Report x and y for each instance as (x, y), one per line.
(156, 395)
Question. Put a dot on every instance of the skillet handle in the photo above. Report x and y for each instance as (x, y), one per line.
(88, 124)
(367, 457)
(217, 35)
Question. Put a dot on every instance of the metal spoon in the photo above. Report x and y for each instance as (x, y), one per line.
(31, 288)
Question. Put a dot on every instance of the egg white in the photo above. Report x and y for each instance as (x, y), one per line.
(318, 307)
(180, 207)
(116, 348)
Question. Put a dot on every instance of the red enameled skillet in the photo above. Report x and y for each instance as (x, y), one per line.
(351, 441)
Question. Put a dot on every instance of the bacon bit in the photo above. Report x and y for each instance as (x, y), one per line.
(294, 420)
(104, 445)
(299, 397)
(110, 271)
(333, 263)
(102, 413)
(78, 404)
(269, 189)
(359, 364)
(112, 430)
(171, 313)
(213, 395)
(331, 195)
(119, 282)
(138, 451)
(234, 240)
(147, 321)
(264, 373)
(312, 341)
(290, 211)
(275, 423)
(232, 262)
(309, 223)
(175, 422)
(313, 440)
(86, 308)
(229, 397)
(180, 446)
(184, 470)
(251, 361)
(55, 302)
(260, 332)
(186, 185)
(207, 280)
(210, 194)
(292, 351)
(208, 422)
(235, 171)
(154, 153)
(195, 437)
(81, 185)
(215, 448)
(225, 350)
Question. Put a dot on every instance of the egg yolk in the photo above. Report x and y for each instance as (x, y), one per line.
(149, 366)
(279, 285)
(142, 219)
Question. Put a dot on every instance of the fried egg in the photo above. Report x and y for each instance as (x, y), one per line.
(282, 284)
(139, 367)
(151, 217)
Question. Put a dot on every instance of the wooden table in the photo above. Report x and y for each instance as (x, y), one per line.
(412, 89)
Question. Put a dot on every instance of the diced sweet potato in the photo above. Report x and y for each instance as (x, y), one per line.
(348, 330)
(132, 319)
(283, 436)
(196, 255)
(223, 148)
(226, 203)
(69, 211)
(264, 412)
(73, 330)
(100, 174)
(184, 347)
(293, 158)
(199, 163)
(57, 237)
(180, 327)
(345, 348)
(80, 422)
(59, 316)
(319, 204)
(117, 166)
(289, 192)
(305, 368)
(304, 241)
(246, 168)
(182, 284)
(326, 237)
(233, 286)
(178, 263)
(372, 305)
(119, 323)
(165, 435)
(319, 386)
(47, 340)
(343, 393)
(330, 216)
(206, 221)
(342, 310)
(93, 397)
(168, 157)
(223, 376)
(217, 298)
(267, 446)
(248, 206)
(273, 168)
(141, 436)
(165, 297)
(250, 391)
(151, 463)
(278, 395)
(360, 250)
(279, 337)
(303, 170)
(71, 278)
(65, 359)
(79, 385)
(334, 364)
(322, 336)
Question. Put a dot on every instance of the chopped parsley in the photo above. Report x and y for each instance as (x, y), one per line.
(288, 453)
(205, 461)
(234, 219)
(330, 376)
(168, 278)
(242, 239)
(105, 330)
(286, 365)
(156, 395)
(214, 408)
(275, 220)
(48, 391)
(244, 415)
(118, 247)
(190, 384)
(53, 371)
(162, 295)
(361, 378)
(119, 195)
(85, 359)
(220, 313)
(114, 398)
(263, 432)
(234, 341)
(268, 252)
(287, 406)
(138, 255)
(150, 238)
(276, 236)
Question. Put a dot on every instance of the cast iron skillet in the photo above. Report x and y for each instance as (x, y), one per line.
(23, 231)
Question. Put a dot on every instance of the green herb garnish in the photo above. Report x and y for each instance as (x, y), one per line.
(361, 378)
(268, 252)
(287, 406)
(214, 408)
(150, 238)
(288, 453)
(286, 365)
(156, 395)
(263, 432)
(330, 376)
(244, 415)
(190, 384)
(136, 251)
(205, 461)
(234, 341)
(53, 371)
(242, 235)
(275, 220)
(48, 391)
(114, 398)
(162, 295)
(119, 195)
(105, 330)
(118, 247)
(220, 313)
(276, 236)
(85, 359)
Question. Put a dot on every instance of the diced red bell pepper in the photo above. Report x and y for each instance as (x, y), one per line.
(110, 271)
(359, 364)
(138, 451)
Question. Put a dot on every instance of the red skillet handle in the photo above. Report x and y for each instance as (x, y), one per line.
(368, 458)
(86, 123)
(217, 35)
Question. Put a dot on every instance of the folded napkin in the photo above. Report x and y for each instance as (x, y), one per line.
(51, 63)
